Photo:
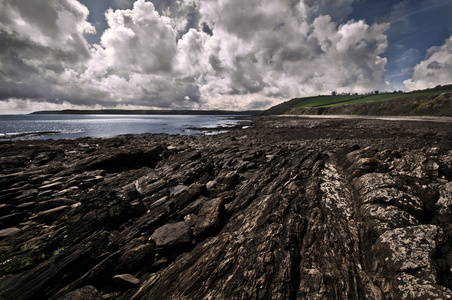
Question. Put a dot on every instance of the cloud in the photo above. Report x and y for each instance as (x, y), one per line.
(40, 43)
(192, 54)
(57, 25)
(272, 51)
(138, 40)
(433, 71)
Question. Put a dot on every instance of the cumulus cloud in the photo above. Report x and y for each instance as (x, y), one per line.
(192, 54)
(137, 40)
(433, 71)
(269, 49)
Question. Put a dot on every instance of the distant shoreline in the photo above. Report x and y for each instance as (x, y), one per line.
(146, 112)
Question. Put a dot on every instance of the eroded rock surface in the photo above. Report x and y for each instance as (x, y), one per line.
(289, 208)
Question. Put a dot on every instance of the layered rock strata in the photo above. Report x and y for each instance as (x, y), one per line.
(289, 208)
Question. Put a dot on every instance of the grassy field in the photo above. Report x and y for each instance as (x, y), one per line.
(325, 100)
(329, 101)
(337, 103)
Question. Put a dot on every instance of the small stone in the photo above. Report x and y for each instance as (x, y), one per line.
(126, 280)
(190, 220)
(211, 185)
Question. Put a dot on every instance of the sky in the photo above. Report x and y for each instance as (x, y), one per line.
(215, 54)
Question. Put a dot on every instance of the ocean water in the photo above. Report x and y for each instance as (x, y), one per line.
(75, 126)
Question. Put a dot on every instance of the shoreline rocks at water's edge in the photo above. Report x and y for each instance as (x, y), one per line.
(288, 208)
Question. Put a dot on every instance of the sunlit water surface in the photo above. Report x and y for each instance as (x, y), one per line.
(75, 126)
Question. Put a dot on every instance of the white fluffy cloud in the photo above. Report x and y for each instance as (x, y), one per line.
(266, 50)
(229, 54)
(433, 71)
(138, 40)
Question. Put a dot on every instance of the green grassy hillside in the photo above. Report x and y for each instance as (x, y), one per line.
(436, 101)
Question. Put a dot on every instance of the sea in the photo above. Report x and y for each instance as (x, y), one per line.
(55, 126)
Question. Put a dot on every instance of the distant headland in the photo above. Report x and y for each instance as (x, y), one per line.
(146, 112)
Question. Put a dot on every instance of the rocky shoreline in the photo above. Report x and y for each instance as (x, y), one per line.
(287, 208)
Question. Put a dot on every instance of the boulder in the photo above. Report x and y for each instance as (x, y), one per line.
(408, 248)
(208, 217)
(171, 236)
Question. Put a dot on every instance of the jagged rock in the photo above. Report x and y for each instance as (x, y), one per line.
(53, 203)
(5, 209)
(8, 232)
(171, 236)
(372, 181)
(51, 186)
(86, 293)
(208, 217)
(126, 280)
(13, 219)
(445, 199)
(408, 248)
(289, 208)
(383, 218)
(393, 196)
(405, 255)
(28, 195)
(51, 214)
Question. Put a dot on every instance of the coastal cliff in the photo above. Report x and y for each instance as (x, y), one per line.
(287, 208)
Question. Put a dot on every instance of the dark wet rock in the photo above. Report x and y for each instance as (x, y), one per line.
(289, 208)
(5, 209)
(27, 195)
(52, 214)
(8, 232)
(171, 236)
(86, 293)
(51, 186)
(53, 203)
(209, 217)
(13, 219)
(131, 158)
